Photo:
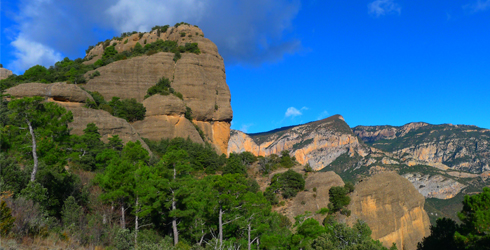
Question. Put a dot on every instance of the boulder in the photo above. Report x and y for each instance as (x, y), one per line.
(59, 91)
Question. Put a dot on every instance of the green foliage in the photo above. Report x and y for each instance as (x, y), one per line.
(441, 236)
(234, 165)
(181, 23)
(126, 41)
(182, 34)
(177, 56)
(138, 49)
(109, 52)
(163, 88)
(71, 213)
(188, 113)
(6, 219)
(288, 184)
(338, 198)
(35, 73)
(201, 157)
(128, 109)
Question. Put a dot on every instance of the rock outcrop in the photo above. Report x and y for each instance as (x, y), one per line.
(435, 186)
(318, 143)
(73, 98)
(393, 209)
(201, 79)
(460, 147)
(5, 73)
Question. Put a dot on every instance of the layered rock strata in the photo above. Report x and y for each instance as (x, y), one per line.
(435, 186)
(201, 79)
(459, 147)
(393, 209)
(317, 143)
(73, 99)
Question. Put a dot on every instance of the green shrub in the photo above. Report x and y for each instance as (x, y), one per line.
(338, 198)
(128, 109)
(138, 49)
(216, 106)
(177, 56)
(141, 35)
(126, 41)
(182, 34)
(188, 113)
(162, 87)
(6, 219)
(288, 184)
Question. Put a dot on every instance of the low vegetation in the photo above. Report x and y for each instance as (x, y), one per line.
(163, 88)
(128, 109)
(87, 193)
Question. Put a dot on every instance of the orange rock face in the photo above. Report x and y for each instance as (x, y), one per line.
(201, 80)
(393, 209)
(317, 143)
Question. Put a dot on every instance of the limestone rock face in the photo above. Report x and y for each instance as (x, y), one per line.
(201, 79)
(435, 186)
(460, 147)
(393, 209)
(72, 98)
(163, 105)
(310, 200)
(167, 127)
(317, 143)
(59, 91)
(5, 73)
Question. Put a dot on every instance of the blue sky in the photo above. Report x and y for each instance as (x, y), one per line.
(375, 62)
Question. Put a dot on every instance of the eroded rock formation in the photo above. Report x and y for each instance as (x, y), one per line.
(393, 209)
(317, 143)
(73, 99)
(200, 78)
(5, 73)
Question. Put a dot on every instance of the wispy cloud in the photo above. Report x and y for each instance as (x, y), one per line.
(479, 5)
(322, 115)
(244, 128)
(29, 53)
(292, 112)
(383, 7)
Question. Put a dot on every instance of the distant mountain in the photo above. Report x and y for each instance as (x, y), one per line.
(460, 147)
(443, 162)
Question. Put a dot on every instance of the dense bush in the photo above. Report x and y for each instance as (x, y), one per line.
(288, 184)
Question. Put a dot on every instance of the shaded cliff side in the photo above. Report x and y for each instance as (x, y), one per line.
(200, 78)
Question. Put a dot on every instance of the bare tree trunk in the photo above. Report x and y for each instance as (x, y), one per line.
(174, 219)
(136, 224)
(220, 222)
(249, 243)
(123, 220)
(258, 243)
(34, 153)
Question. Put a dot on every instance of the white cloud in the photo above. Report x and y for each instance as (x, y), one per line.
(478, 6)
(293, 112)
(322, 115)
(244, 128)
(29, 53)
(245, 31)
(383, 7)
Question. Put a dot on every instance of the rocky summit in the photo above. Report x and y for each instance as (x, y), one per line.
(199, 77)
(317, 143)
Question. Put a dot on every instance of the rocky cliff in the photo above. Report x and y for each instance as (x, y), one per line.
(460, 147)
(392, 208)
(387, 202)
(73, 99)
(200, 78)
(4, 73)
(318, 143)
